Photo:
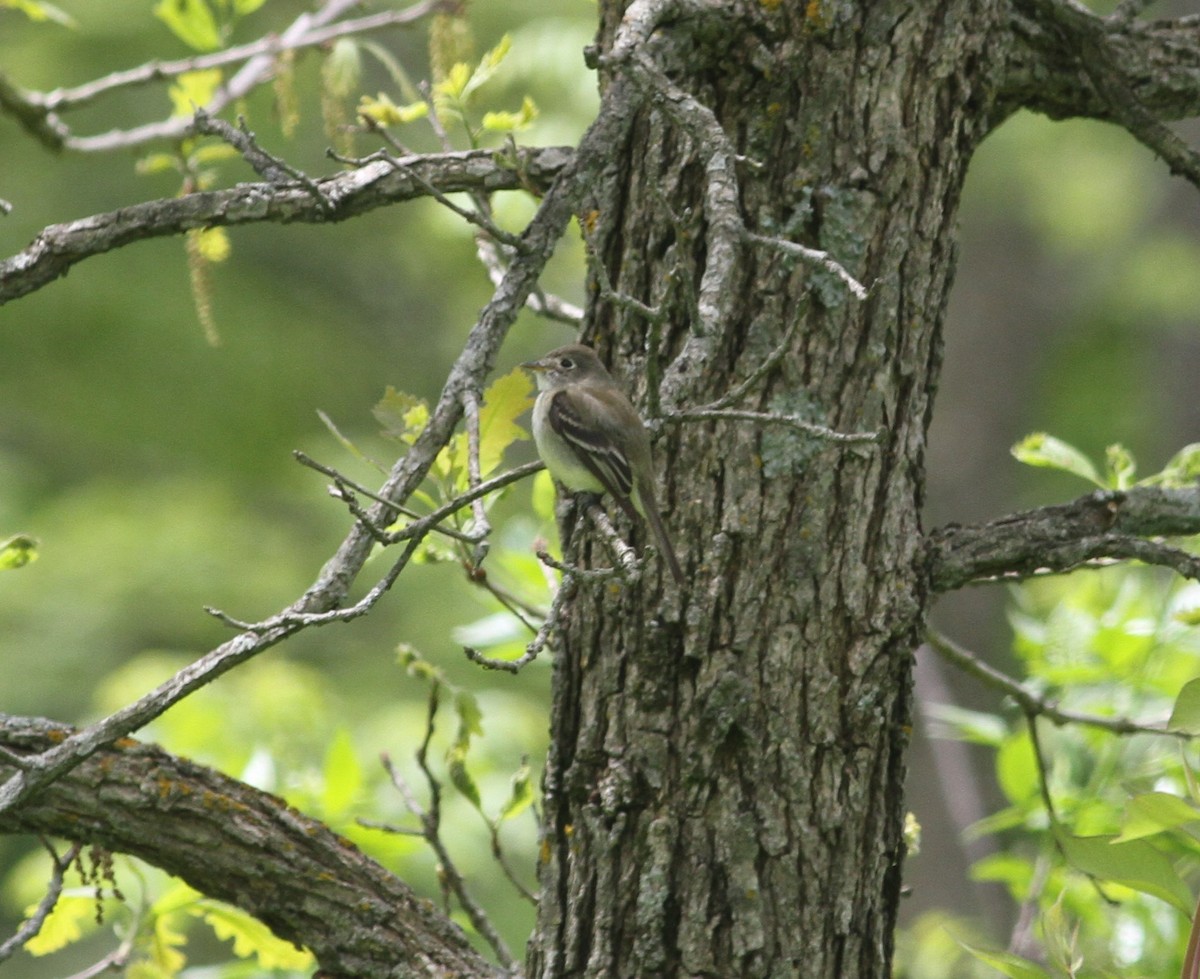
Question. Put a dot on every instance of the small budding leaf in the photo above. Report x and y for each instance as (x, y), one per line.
(521, 796)
(509, 122)
(1040, 449)
(191, 21)
(384, 112)
(193, 90)
(403, 416)
(1121, 467)
(456, 764)
(18, 551)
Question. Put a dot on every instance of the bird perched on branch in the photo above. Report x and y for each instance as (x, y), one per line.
(591, 438)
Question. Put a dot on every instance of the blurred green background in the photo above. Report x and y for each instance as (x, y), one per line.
(156, 468)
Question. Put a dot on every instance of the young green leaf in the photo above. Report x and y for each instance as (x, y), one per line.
(191, 21)
(1121, 467)
(1135, 864)
(402, 416)
(18, 551)
(456, 764)
(1040, 449)
(521, 796)
(1185, 715)
(470, 718)
(193, 90)
(510, 122)
(1007, 963)
(64, 924)
(252, 938)
(1155, 812)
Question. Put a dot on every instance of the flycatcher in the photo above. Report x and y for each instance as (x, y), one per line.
(591, 438)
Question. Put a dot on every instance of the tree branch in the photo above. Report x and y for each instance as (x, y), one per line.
(341, 196)
(1105, 524)
(38, 112)
(1159, 62)
(247, 847)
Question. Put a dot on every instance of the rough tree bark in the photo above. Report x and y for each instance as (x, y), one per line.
(724, 793)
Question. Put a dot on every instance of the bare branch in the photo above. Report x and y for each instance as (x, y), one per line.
(238, 844)
(39, 113)
(772, 418)
(1034, 704)
(1103, 525)
(33, 924)
(341, 196)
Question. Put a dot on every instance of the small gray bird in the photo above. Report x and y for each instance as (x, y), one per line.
(591, 438)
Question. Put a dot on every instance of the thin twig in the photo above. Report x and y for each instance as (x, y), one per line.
(772, 418)
(33, 924)
(471, 217)
(1032, 703)
(566, 591)
(734, 395)
(813, 256)
(430, 820)
(344, 485)
(266, 165)
(470, 402)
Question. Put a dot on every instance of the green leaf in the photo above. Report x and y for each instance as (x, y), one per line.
(1185, 715)
(1121, 467)
(1015, 768)
(244, 7)
(521, 796)
(487, 67)
(64, 924)
(456, 764)
(1040, 449)
(1007, 963)
(1182, 469)
(252, 938)
(507, 399)
(384, 112)
(1155, 812)
(343, 776)
(403, 416)
(165, 942)
(193, 89)
(470, 718)
(191, 21)
(18, 551)
(508, 122)
(416, 665)
(973, 726)
(1135, 864)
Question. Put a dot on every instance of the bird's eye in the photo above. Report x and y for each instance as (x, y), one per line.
(566, 363)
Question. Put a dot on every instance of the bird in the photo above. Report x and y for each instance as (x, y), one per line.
(592, 440)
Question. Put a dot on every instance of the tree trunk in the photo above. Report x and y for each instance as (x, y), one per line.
(724, 793)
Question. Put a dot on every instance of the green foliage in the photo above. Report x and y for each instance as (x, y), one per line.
(17, 551)
(1119, 470)
(1111, 866)
(204, 25)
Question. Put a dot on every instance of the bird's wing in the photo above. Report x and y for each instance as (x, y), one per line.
(594, 447)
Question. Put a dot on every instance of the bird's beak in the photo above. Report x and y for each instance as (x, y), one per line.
(537, 366)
